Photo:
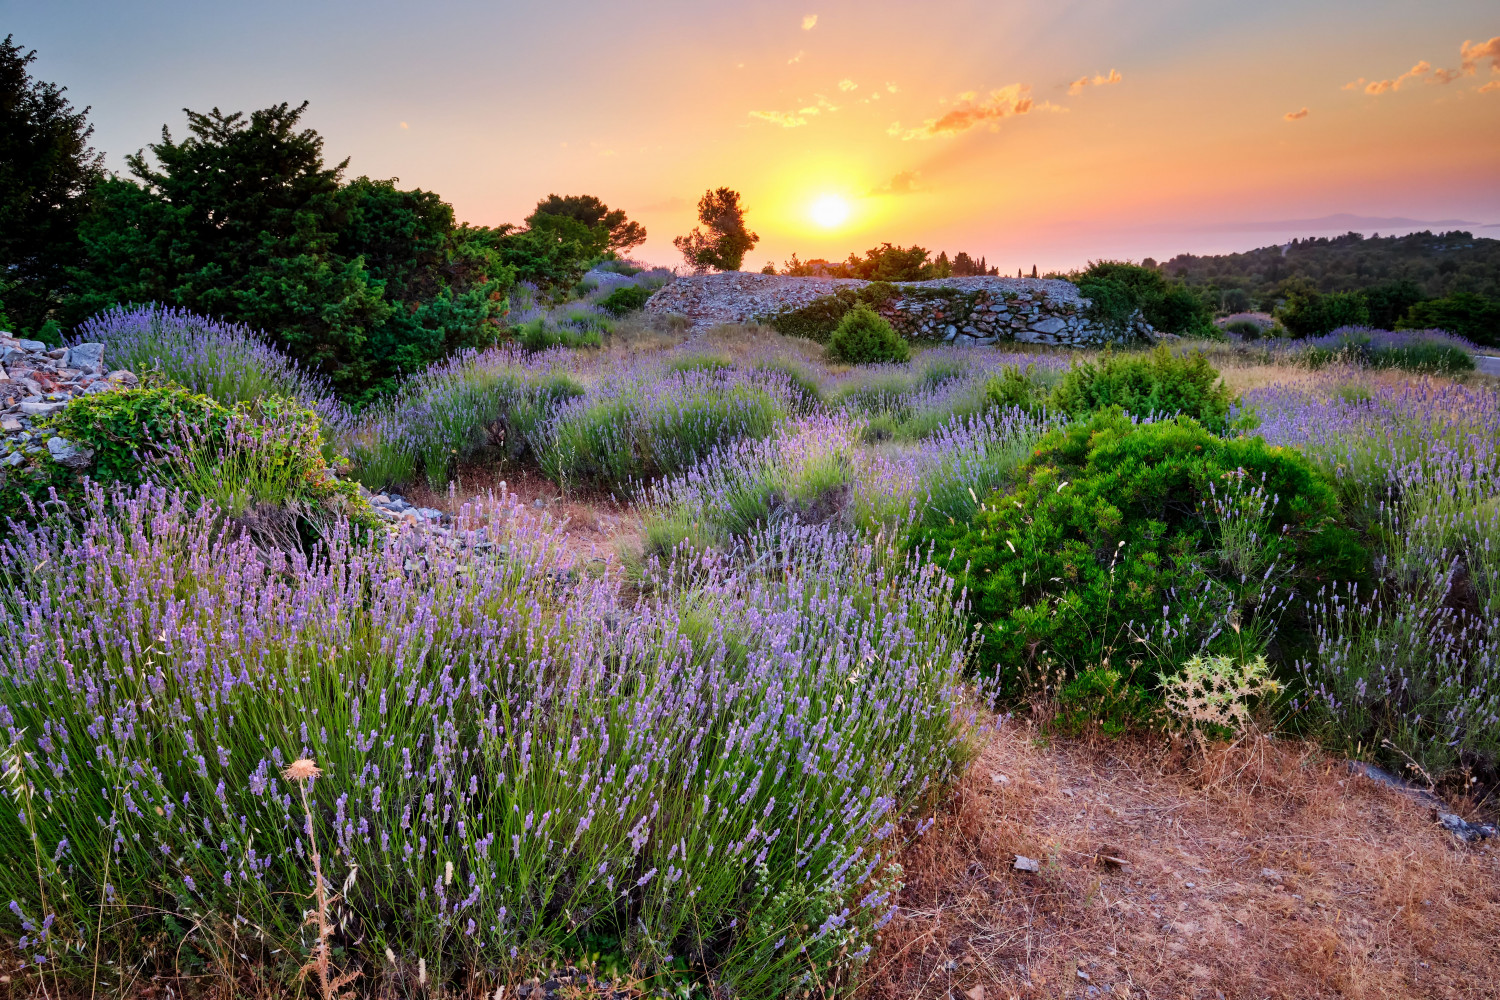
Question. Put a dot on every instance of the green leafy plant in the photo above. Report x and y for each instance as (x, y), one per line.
(1124, 541)
(1145, 384)
(626, 298)
(1011, 388)
(864, 336)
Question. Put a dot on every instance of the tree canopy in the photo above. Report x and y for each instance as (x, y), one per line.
(593, 213)
(47, 173)
(722, 247)
(243, 220)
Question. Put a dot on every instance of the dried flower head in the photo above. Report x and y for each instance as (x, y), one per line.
(301, 770)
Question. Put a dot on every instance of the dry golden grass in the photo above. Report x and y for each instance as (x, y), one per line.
(1263, 871)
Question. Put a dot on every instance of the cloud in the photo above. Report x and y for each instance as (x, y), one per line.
(1295, 116)
(906, 182)
(786, 119)
(971, 112)
(847, 85)
(891, 87)
(796, 58)
(404, 125)
(1076, 87)
(1471, 56)
(809, 22)
(1492, 85)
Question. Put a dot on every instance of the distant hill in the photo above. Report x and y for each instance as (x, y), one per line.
(1437, 263)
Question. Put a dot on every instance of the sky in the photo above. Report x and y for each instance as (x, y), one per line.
(1032, 133)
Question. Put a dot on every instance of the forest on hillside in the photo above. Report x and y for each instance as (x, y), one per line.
(1439, 264)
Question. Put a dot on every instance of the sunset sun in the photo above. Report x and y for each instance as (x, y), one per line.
(830, 211)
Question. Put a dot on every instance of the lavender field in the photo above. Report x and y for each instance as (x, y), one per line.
(694, 761)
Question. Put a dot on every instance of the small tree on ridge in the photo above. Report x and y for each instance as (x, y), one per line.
(724, 245)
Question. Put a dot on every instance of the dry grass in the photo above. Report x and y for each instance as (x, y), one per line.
(1265, 871)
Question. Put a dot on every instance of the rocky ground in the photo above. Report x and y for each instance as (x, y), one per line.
(37, 381)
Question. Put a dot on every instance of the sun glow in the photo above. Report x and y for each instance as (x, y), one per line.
(829, 211)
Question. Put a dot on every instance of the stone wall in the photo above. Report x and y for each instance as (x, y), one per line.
(965, 311)
(37, 381)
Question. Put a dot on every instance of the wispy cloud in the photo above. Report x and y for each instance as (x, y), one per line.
(1492, 85)
(786, 119)
(1295, 116)
(809, 22)
(847, 85)
(1471, 55)
(796, 58)
(1076, 87)
(906, 182)
(971, 112)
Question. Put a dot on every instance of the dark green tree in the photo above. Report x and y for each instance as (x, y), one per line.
(585, 208)
(1463, 313)
(47, 172)
(724, 245)
(242, 220)
(1388, 302)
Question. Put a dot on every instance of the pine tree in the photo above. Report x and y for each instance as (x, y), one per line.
(47, 173)
(724, 245)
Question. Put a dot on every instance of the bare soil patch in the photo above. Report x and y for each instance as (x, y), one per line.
(1267, 870)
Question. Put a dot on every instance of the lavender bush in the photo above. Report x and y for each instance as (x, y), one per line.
(658, 421)
(817, 469)
(1412, 660)
(509, 763)
(229, 362)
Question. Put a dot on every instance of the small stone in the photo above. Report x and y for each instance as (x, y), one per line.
(1025, 864)
(33, 408)
(86, 356)
(11, 424)
(14, 459)
(65, 452)
(31, 346)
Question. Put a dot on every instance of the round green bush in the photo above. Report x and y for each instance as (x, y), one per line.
(1116, 548)
(1159, 383)
(864, 336)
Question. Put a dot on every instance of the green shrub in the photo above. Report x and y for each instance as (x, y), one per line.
(626, 298)
(250, 459)
(819, 318)
(1117, 289)
(1245, 328)
(1149, 542)
(1423, 356)
(535, 335)
(1011, 388)
(1145, 384)
(864, 336)
(128, 428)
(1463, 314)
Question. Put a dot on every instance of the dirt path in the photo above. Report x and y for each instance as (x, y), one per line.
(1267, 872)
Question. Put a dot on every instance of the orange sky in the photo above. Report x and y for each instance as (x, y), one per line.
(1045, 133)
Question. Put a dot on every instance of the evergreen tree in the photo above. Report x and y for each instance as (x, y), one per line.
(47, 172)
(585, 208)
(724, 245)
(242, 220)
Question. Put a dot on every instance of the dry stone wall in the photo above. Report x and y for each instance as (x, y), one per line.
(964, 311)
